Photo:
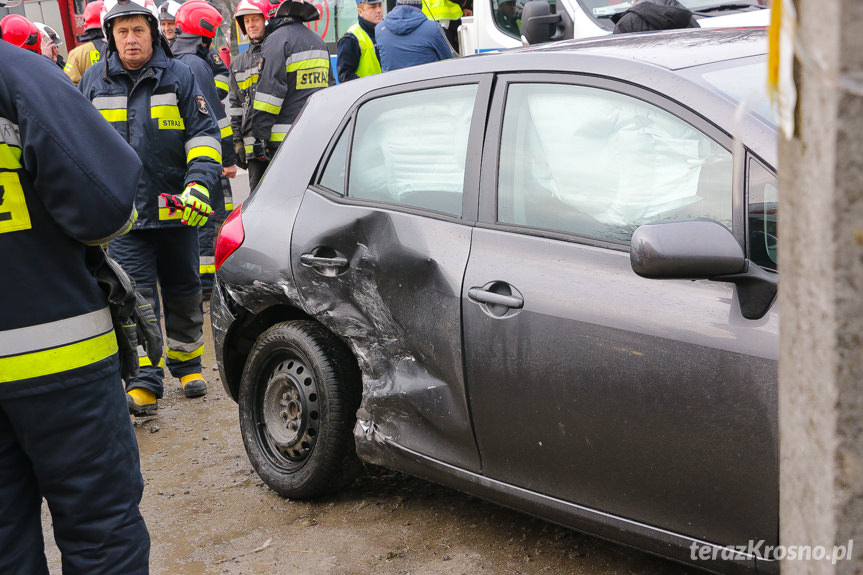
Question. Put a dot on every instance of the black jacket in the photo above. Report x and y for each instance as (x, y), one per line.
(649, 15)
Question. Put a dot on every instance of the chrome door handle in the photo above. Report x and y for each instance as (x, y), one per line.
(485, 296)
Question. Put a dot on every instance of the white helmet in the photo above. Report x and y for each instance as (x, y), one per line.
(48, 34)
(168, 10)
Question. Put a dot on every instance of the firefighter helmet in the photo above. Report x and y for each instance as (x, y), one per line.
(113, 9)
(168, 10)
(21, 32)
(49, 33)
(300, 10)
(246, 7)
(92, 15)
(199, 18)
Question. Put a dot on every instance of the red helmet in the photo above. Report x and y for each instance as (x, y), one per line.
(92, 18)
(199, 18)
(245, 7)
(21, 32)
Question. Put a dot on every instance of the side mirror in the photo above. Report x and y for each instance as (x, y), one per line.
(537, 22)
(702, 249)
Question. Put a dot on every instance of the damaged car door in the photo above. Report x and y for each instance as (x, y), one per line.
(379, 249)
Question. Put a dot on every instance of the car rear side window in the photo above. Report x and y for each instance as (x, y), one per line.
(333, 177)
(599, 163)
(411, 148)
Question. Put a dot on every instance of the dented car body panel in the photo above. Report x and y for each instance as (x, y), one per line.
(531, 368)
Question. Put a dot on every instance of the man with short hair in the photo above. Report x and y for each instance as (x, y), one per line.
(168, 19)
(153, 101)
(357, 53)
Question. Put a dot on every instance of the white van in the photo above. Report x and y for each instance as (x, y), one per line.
(497, 24)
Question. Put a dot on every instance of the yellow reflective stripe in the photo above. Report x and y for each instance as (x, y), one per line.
(228, 208)
(58, 360)
(248, 82)
(185, 355)
(226, 131)
(166, 112)
(207, 269)
(114, 115)
(145, 362)
(223, 85)
(278, 136)
(306, 64)
(264, 107)
(10, 157)
(203, 152)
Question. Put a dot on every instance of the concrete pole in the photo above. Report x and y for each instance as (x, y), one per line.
(821, 292)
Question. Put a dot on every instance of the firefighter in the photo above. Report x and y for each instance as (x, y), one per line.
(21, 32)
(67, 183)
(168, 19)
(251, 17)
(196, 23)
(85, 55)
(295, 64)
(153, 101)
(51, 43)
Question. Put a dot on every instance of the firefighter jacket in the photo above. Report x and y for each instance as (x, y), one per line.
(67, 181)
(85, 55)
(188, 50)
(295, 65)
(244, 78)
(166, 119)
(220, 73)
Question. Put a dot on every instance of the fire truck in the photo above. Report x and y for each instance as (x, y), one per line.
(64, 16)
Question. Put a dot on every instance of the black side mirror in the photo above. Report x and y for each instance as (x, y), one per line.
(537, 22)
(702, 249)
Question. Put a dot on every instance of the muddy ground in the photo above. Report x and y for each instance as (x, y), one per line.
(209, 513)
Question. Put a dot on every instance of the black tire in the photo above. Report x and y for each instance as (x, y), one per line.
(298, 399)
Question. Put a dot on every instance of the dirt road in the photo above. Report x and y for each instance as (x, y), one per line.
(209, 513)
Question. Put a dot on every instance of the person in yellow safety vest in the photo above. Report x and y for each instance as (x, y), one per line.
(357, 53)
(448, 14)
(85, 55)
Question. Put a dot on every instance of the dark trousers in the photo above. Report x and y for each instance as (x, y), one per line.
(167, 258)
(222, 204)
(76, 448)
(256, 171)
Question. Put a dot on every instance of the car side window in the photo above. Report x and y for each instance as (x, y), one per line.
(598, 163)
(333, 176)
(411, 148)
(507, 16)
(763, 213)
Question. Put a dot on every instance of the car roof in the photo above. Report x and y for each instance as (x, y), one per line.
(673, 49)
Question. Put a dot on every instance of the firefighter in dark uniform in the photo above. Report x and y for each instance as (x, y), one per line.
(153, 101)
(67, 182)
(295, 64)
(196, 25)
(90, 51)
(251, 17)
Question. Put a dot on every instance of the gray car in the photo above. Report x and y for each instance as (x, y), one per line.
(544, 277)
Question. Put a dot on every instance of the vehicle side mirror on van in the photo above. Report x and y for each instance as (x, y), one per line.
(702, 250)
(537, 22)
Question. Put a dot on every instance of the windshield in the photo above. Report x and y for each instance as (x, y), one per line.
(608, 8)
(744, 81)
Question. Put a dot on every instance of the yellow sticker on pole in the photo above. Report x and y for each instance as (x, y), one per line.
(780, 63)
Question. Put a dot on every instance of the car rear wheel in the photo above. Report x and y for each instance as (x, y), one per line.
(298, 399)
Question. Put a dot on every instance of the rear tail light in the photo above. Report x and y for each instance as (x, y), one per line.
(231, 236)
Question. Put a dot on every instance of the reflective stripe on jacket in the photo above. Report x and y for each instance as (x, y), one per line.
(165, 117)
(295, 65)
(82, 57)
(369, 63)
(67, 181)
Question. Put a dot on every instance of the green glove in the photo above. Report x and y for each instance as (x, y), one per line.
(196, 200)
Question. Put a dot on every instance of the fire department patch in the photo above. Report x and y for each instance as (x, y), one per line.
(216, 60)
(202, 105)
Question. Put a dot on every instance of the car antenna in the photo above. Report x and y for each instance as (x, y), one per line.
(440, 29)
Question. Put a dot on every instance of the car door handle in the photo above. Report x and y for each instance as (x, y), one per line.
(485, 296)
(321, 262)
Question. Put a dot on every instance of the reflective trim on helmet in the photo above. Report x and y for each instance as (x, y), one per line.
(267, 103)
(57, 346)
(279, 132)
(203, 147)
